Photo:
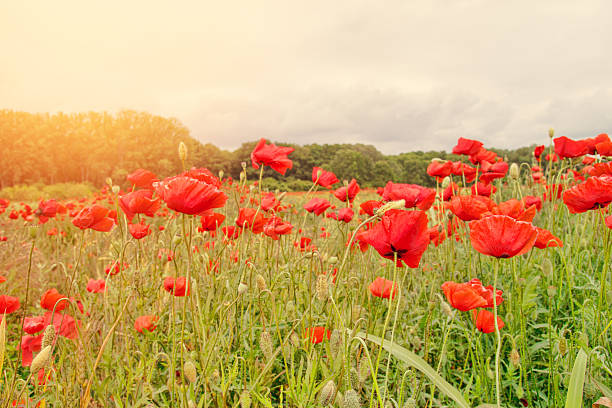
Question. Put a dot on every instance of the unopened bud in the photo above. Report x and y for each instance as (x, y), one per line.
(514, 171)
(242, 176)
(40, 361)
(321, 287)
(446, 182)
(48, 336)
(115, 189)
(390, 206)
(261, 282)
(109, 181)
(333, 260)
(243, 165)
(328, 393)
(182, 151)
(446, 309)
(547, 267)
(190, 372)
(221, 174)
(410, 403)
(515, 357)
(242, 288)
(265, 343)
(335, 342)
(245, 399)
(351, 400)
(562, 346)
(551, 133)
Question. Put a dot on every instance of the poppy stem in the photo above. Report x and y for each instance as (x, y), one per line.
(497, 335)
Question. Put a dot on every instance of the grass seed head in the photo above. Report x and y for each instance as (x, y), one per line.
(328, 393)
(351, 400)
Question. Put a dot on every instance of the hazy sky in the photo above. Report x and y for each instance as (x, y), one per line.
(402, 75)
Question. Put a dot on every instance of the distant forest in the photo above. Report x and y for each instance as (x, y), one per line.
(91, 146)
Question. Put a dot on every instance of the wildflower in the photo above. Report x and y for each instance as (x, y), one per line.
(317, 334)
(317, 206)
(96, 286)
(502, 236)
(139, 202)
(272, 156)
(347, 193)
(189, 195)
(142, 178)
(323, 178)
(383, 288)
(485, 321)
(145, 323)
(95, 217)
(467, 146)
(177, 287)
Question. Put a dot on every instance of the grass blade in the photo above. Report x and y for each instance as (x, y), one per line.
(576, 384)
(417, 362)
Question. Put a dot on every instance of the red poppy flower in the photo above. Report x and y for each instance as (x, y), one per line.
(502, 236)
(485, 321)
(553, 192)
(317, 206)
(546, 239)
(139, 202)
(608, 221)
(145, 323)
(114, 268)
(48, 208)
(484, 190)
(401, 234)
(269, 202)
(33, 324)
(343, 214)
(189, 195)
(595, 193)
(568, 148)
(8, 304)
(323, 178)
(96, 217)
(317, 334)
(604, 148)
(96, 286)
(450, 191)
(487, 292)
(467, 146)
(439, 169)
(304, 244)
(383, 288)
(464, 170)
(50, 298)
(231, 232)
(483, 156)
(413, 194)
(272, 155)
(463, 296)
(347, 193)
(369, 207)
(601, 169)
(537, 152)
(251, 219)
(210, 221)
(275, 227)
(469, 208)
(532, 200)
(178, 286)
(202, 174)
(140, 230)
(142, 178)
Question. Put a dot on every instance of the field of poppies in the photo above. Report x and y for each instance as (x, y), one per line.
(196, 290)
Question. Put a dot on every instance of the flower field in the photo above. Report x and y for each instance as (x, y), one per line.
(196, 290)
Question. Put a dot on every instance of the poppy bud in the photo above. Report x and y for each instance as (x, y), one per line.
(261, 282)
(551, 291)
(351, 400)
(242, 176)
(354, 378)
(333, 260)
(319, 174)
(328, 393)
(446, 309)
(335, 342)
(446, 182)
(190, 372)
(515, 357)
(363, 368)
(109, 181)
(49, 336)
(245, 399)
(182, 151)
(562, 346)
(390, 206)
(547, 268)
(551, 133)
(221, 174)
(242, 288)
(243, 165)
(514, 171)
(33, 230)
(40, 361)
(356, 312)
(281, 196)
(115, 189)
(321, 287)
(265, 344)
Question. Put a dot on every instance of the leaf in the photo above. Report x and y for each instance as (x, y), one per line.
(417, 362)
(603, 402)
(576, 384)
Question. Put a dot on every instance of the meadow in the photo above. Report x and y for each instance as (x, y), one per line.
(196, 290)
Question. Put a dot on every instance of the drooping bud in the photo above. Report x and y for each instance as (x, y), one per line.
(446, 182)
(399, 204)
(514, 171)
(547, 267)
(328, 393)
(48, 336)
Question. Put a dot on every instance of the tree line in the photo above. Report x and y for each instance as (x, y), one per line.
(91, 146)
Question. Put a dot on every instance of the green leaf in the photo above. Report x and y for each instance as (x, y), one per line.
(417, 362)
(576, 384)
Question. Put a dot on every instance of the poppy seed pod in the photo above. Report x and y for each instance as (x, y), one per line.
(328, 393)
(182, 151)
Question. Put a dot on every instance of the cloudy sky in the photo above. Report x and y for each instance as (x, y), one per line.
(400, 74)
